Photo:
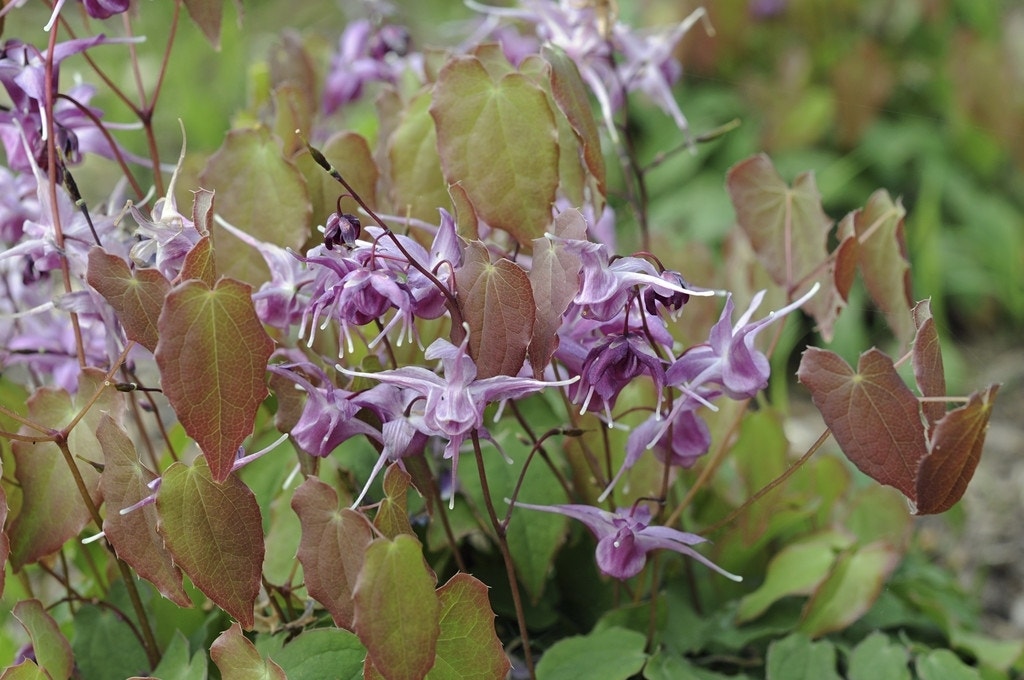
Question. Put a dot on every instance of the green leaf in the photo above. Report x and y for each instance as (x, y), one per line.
(664, 665)
(105, 646)
(261, 193)
(397, 610)
(52, 510)
(392, 516)
(124, 482)
(212, 357)
(878, 658)
(942, 664)
(610, 654)
(215, 533)
(497, 137)
(137, 296)
(53, 653)
(26, 670)
(795, 657)
(850, 589)
(1000, 654)
(467, 646)
(796, 570)
(237, 658)
(175, 663)
(497, 303)
(322, 653)
(332, 548)
(418, 188)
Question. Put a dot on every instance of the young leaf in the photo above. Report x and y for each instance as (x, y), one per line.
(570, 93)
(207, 14)
(397, 609)
(392, 516)
(215, 533)
(260, 192)
(786, 226)
(137, 297)
(883, 261)
(955, 449)
(52, 650)
(199, 263)
(238, 659)
(497, 303)
(927, 361)
(874, 417)
(554, 281)
(467, 646)
(332, 548)
(134, 536)
(52, 510)
(212, 357)
(497, 137)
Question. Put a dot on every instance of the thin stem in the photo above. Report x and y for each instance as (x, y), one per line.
(771, 485)
(510, 569)
(543, 452)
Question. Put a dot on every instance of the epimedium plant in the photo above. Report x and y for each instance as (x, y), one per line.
(362, 452)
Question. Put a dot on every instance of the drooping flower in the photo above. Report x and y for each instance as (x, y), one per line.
(453, 405)
(613, 363)
(365, 54)
(729, 358)
(624, 537)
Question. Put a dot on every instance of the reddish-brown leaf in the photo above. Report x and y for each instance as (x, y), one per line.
(212, 357)
(238, 659)
(332, 548)
(215, 533)
(397, 610)
(787, 228)
(570, 94)
(134, 535)
(554, 278)
(883, 261)
(207, 14)
(874, 417)
(137, 297)
(52, 509)
(497, 303)
(199, 263)
(927, 361)
(956, 445)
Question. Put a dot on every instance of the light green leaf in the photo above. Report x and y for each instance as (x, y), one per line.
(877, 657)
(609, 654)
(943, 664)
(322, 653)
(795, 657)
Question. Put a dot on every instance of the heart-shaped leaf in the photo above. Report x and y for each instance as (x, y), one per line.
(137, 297)
(554, 279)
(134, 535)
(332, 547)
(497, 303)
(397, 610)
(212, 357)
(215, 533)
(497, 137)
(874, 417)
(238, 659)
(468, 646)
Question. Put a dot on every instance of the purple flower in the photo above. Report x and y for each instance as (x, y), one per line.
(624, 538)
(104, 9)
(729, 358)
(613, 363)
(453, 405)
(364, 55)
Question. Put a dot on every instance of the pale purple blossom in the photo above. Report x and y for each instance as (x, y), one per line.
(624, 538)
